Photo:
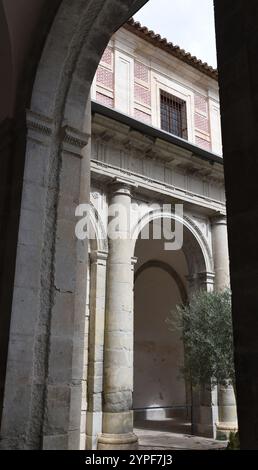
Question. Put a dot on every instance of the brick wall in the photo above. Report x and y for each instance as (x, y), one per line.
(105, 79)
(142, 95)
(141, 116)
(142, 92)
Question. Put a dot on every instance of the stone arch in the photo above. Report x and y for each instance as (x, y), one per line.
(51, 264)
(165, 267)
(193, 235)
(98, 236)
(159, 287)
(80, 33)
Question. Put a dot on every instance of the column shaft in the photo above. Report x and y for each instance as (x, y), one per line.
(220, 252)
(118, 350)
(226, 396)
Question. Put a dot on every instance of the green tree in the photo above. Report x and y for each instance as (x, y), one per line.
(206, 325)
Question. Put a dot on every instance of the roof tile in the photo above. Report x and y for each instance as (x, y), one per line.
(155, 39)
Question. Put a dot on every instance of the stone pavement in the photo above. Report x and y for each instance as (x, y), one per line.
(156, 436)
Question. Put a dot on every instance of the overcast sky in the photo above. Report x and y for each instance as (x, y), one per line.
(186, 23)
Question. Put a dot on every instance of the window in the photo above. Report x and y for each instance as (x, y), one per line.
(173, 115)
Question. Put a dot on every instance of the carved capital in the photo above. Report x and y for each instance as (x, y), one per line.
(39, 126)
(73, 140)
(219, 219)
(121, 186)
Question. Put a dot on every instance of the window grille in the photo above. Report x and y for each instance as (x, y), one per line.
(173, 115)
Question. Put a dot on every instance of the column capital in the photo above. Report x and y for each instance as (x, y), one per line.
(207, 279)
(199, 280)
(121, 186)
(218, 219)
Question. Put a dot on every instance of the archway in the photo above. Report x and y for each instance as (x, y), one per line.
(159, 391)
(162, 399)
(51, 264)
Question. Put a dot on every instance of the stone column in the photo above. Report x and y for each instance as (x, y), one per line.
(220, 252)
(118, 349)
(226, 397)
(96, 347)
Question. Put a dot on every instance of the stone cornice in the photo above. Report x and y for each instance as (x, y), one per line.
(106, 174)
(40, 124)
(73, 139)
(42, 127)
(105, 129)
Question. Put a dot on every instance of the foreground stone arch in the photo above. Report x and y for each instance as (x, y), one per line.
(44, 378)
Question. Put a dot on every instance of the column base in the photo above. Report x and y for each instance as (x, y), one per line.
(118, 442)
(223, 430)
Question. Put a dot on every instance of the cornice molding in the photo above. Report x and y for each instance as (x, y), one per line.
(73, 140)
(105, 130)
(39, 123)
(106, 173)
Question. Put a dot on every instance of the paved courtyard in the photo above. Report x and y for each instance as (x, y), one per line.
(162, 435)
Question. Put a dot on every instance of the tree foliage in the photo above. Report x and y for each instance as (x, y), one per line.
(206, 325)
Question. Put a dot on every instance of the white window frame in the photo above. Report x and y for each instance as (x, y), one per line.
(160, 83)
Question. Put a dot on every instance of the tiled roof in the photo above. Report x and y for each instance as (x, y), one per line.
(157, 41)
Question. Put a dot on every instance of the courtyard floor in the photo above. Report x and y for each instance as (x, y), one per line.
(162, 435)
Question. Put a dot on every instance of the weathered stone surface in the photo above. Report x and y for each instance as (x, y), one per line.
(118, 442)
(227, 415)
(59, 119)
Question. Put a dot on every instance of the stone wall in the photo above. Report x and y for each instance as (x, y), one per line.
(43, 389)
